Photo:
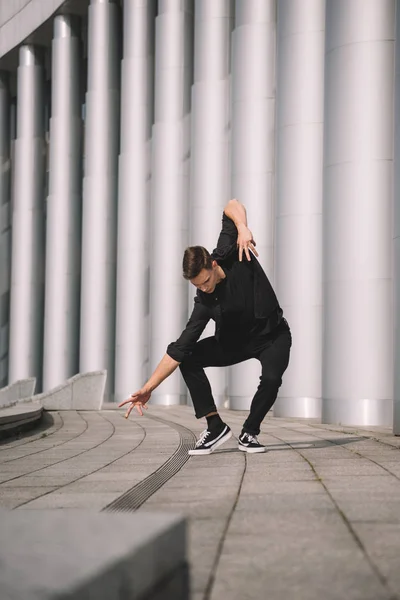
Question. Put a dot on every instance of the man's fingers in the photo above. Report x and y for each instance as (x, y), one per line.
(133, 398)
(135, 404)
(254, 251)
(139, 409)
(247, 248)
(124, 402)
(128, 412)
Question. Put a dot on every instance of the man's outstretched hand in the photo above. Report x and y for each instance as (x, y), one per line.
(245, 242)
(137, 400)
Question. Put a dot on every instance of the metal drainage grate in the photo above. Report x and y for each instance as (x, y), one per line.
(138, 494)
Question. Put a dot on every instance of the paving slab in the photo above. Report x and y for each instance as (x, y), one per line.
(317, 516)
(382, 541)
(14, 497)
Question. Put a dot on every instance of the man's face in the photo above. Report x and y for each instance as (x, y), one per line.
(207, 279)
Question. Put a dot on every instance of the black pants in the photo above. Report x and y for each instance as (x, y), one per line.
(271, 350)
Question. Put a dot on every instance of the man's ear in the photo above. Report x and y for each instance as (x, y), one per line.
(214, 264)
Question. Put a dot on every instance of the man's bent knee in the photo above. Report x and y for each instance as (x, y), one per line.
(271, 380)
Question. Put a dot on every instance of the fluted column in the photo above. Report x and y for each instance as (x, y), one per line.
(5, 225)
(27, 269)
(170, 177)
(396, 236)
(210, 168)
(62, 288)
(137, 91)
(253, 155)
(99, 226)
(358, 184)
(298, 256)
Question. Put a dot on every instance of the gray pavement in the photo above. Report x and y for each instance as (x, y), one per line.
(318, 516)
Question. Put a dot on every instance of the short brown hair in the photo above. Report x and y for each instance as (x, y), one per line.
(195, 259)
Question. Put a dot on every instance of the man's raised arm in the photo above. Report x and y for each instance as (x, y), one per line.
(245, 241)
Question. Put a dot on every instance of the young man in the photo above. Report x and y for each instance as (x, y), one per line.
(234, 291)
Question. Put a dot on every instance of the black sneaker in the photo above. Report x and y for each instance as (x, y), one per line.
(209, 440)
(250, 443)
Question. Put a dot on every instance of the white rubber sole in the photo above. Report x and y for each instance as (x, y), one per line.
(251, 450)
(224, 439)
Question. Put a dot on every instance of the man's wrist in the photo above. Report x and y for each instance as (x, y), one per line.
(240, 225)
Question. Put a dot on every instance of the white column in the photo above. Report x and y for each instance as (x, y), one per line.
(396, 236)
(99, 225)
(210, 168)
(63, 244)
(137, 91)
(27, 269)
(253, 154)
(298, 256)
(358, 187)
(170, 177)
(5, 225)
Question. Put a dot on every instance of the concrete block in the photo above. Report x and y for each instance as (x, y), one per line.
(59, 398)
(19, 390)
(26, 388)
(84, 391)
(80, 554)
(88, 390)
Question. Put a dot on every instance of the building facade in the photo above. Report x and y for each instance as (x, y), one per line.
(126, 126)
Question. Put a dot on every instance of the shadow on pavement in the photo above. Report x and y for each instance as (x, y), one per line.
(278, 447)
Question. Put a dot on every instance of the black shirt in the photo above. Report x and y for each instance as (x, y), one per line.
(243, 305)
(235, 295)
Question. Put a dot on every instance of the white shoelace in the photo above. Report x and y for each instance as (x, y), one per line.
(203, 436)
(252, 438)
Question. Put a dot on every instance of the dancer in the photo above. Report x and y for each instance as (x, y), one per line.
(234, 291)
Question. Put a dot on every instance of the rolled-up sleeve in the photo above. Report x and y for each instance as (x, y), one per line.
(184, 345)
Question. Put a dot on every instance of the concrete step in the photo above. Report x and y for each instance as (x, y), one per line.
(80, 554)
(19, 416)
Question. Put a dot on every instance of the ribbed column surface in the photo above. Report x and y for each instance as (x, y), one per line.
(298, 253)
(63, 242)
(253, 147)
(210, 139)
(133, 261)
(5, 225)
(396, 238)
(28, 234)
(170, 185)
(99, 215)
(358, 176)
